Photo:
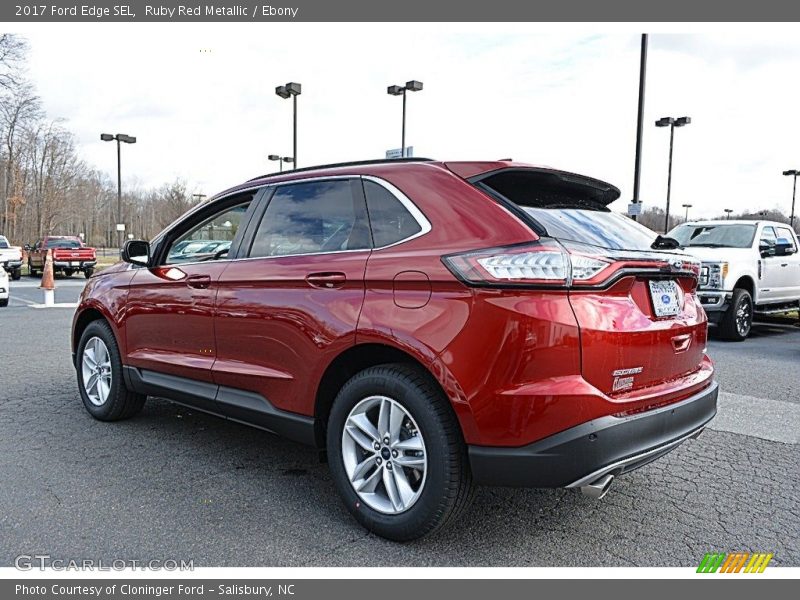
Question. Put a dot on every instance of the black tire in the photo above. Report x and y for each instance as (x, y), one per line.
(121, 403)
(447, 488)
(88, 273)
(3, 302)
(68, 272)
(16, 274)
(737, 321)
(31, 270)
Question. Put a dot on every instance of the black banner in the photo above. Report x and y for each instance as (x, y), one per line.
(405, 10)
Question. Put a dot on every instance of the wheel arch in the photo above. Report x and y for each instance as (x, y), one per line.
(746, 282)
(346, 365)
(82, 320)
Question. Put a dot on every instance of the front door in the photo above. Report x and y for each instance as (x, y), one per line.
(170, 306)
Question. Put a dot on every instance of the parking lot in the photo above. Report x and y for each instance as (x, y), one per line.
(174, 483)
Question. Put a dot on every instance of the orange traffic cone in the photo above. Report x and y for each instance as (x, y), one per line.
(48, 280)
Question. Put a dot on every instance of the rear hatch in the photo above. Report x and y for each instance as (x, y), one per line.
(640, 324)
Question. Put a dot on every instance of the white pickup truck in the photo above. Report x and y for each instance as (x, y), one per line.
(749, 267)
(10, 258)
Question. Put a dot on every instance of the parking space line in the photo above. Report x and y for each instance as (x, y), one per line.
(764, 418)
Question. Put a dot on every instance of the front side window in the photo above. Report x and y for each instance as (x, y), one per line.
(310, 218)
(768, 236)
(211, 239)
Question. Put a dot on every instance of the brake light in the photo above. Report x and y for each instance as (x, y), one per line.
(542, 263)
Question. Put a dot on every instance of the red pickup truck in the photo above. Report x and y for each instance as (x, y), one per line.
(69, 256)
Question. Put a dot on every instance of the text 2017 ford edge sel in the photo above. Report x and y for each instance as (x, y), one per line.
(428, 325)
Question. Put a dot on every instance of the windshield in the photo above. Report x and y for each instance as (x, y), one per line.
(595, 227)
(68, 244)
(715, 236)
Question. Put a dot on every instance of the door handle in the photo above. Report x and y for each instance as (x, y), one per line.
(199, 282)
(326, 280)
(681, 343)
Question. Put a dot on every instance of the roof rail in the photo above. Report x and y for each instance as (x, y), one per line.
(355, 163)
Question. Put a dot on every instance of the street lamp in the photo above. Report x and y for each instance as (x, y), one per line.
(282, 159)
(728, 212)
(672, 124)
(291, 90)
(794, 173)
(127, 139)
(400, 90)
(687, 207)
(200, 197)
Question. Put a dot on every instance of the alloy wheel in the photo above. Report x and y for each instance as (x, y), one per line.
(744, 314)
(96, 371)
(384, 455)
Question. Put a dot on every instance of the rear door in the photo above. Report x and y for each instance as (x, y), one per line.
(640, 323)
(292, 305)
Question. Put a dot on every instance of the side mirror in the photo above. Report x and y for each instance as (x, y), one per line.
(136, 252)
(766, 249)
(783, 248)
(27, 247)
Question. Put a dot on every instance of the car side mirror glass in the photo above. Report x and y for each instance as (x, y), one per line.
(136, 252)
(783, 248)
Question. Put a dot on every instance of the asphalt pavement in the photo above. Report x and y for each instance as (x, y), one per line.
(177, 484)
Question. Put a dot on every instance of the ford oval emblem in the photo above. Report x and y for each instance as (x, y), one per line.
(676, 263)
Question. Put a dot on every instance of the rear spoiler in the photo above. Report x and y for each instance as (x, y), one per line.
(539, 187)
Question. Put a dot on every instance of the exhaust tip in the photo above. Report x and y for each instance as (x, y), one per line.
(599, 488)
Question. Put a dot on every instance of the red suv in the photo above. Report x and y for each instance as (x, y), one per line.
(427, 325)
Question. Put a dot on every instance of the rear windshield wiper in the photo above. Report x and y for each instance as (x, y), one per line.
(665, 243)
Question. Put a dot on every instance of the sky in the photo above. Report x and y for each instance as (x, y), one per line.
(200, 100)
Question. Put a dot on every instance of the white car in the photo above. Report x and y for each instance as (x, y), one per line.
(749, 268)
(5, 287)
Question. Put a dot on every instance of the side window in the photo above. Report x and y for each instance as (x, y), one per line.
(784, 233)
(212, 238)
(768, 236)
(390, 220)
(313, 217)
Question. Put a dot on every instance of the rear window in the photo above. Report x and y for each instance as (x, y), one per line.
(569, 207)
(66, 244)
(595, 227)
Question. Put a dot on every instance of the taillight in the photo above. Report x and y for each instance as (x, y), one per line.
(543, 263)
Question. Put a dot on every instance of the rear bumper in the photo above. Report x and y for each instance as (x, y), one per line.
(70, 264)
(584, 453)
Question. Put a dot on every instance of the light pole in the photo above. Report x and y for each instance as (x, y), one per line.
(672, 124)
(794, 173)
(200, 197)
(291, 90)
(728, 212)
(400, 90)
(128, 139)
(281, 159)
(687, 207)
(637, 164)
